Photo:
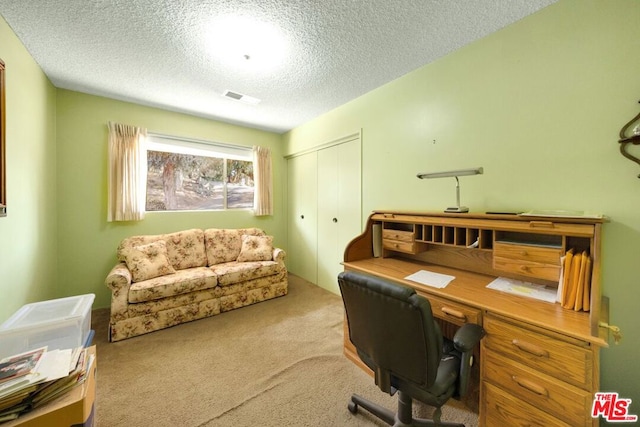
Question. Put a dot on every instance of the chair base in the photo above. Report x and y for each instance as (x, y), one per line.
(404, 416)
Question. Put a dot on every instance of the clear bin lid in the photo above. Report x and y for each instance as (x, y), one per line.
(49, 311)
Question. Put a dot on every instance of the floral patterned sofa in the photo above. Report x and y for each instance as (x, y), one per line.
(167, 279)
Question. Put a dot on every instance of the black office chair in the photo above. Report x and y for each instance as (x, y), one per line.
(396, 336)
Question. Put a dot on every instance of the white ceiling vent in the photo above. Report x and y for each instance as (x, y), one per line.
(240, 97)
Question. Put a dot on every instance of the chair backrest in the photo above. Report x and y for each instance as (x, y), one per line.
(392, 329)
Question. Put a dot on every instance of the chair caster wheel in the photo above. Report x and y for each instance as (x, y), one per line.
(353, 408)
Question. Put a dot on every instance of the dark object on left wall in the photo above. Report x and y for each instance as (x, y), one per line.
(3, 163)
(633, 138)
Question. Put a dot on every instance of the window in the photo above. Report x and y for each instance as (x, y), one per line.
(196, 175)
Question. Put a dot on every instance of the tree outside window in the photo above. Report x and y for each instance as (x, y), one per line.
(180, 181)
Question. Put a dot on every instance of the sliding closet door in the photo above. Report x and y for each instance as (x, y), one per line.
(339, 208)
(349, 195)
(327, 217)
(302, 211)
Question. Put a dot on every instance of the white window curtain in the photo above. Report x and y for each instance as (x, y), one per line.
(263, 192)
(127, 173)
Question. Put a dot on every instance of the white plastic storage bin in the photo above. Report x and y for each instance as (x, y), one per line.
(58, 324)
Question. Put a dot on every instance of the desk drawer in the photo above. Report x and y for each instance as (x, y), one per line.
(530, 253)
(399, 246)
(527, 260)
(403, 236)
(454, 312)
(564, 359)
(502, 409)
(562, 400)
(527, 268)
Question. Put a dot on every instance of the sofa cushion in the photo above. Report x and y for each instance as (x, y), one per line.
(182, 282)
(148, 261)
(256, 248)
(185, 249)
(223, 245)
(233, 272)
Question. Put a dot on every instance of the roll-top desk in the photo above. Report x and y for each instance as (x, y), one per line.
(539, 363)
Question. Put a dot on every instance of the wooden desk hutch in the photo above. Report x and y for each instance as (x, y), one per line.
(539, 363)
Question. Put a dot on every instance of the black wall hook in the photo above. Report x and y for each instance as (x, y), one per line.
(631, 139)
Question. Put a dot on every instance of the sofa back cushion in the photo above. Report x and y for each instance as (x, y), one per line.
(223, 245)
(185, 249)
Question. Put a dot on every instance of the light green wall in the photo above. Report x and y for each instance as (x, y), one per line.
(28, 233)
(539, 105)
(86, 241)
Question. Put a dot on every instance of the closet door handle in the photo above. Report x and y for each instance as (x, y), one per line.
(335, 219)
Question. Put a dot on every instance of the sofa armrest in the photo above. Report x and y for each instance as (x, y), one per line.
(118, 277)
(279, 255)
(119, 281)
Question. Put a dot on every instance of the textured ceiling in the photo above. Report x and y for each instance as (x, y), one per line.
(180, 54)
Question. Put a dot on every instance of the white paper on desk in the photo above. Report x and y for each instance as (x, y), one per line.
(524, 289)
(429, 278)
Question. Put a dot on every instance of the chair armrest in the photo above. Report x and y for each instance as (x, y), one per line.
(279, 255)
(467, 337)
(119, 281)
(465, 340)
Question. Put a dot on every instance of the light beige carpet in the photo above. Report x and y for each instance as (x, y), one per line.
(275, 363)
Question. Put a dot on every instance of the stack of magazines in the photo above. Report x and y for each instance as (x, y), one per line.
(32, 379)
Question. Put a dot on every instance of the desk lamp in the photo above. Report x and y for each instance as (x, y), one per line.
(455, 174)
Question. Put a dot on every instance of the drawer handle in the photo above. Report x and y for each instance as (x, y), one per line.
(530, 348)
(540, 224)
(454, 313)
(531, 386)
(524, 268)
(396, 245)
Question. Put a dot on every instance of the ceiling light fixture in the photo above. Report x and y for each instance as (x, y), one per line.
(241, 41)
(455, 174)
